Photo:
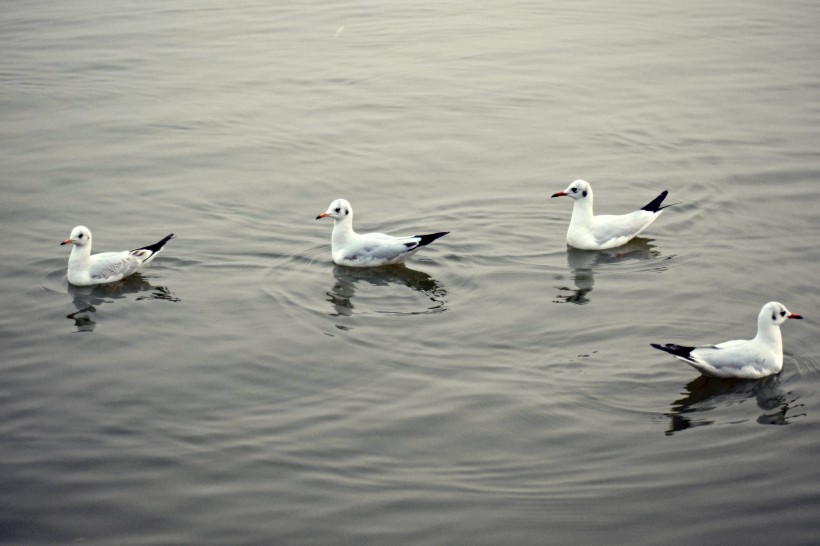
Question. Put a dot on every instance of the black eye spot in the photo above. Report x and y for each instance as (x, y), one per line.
(774, 317)
(80, 236)
(782, 313)
(338, 209)
(584, 193)
(347, 212)
(574, 190)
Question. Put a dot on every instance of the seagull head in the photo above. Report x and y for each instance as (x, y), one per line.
(580, 189)
(338, 210)
(776, 313)
(80, 236)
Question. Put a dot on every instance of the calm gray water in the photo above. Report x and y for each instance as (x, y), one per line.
(499, 389)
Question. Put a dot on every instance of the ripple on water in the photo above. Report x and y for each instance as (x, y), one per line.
(710, 401)
(396, 290)
(638, 256)
(86, 299)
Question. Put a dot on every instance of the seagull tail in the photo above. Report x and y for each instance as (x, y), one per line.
(156, 247)
(676, 350)
(427, 239)
(655, 204)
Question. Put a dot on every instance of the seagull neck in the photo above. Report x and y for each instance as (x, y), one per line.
(582, 211)
(342, 229)
(769, 333)
(80, 254)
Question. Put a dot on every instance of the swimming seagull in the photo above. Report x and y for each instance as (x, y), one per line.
(740, 358)
(589, 232)
(86, 270)
(368, 249)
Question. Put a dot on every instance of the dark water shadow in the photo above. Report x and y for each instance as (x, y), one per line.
(349, 279)
(87, 299)
(708, 394)
(583, 263)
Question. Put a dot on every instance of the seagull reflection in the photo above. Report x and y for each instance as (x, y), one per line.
(708, 393)
(584, 262)
(347, 279)
(86, 299)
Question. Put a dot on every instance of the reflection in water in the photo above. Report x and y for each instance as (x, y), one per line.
(86, 299)
(583, 262)
(344, 289)
(708, 393)
(83, 322)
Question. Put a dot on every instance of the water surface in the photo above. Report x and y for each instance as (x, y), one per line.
(497, 389)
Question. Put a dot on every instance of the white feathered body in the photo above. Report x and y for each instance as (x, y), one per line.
(105, 267)
(589, 232)
(741, 358)
(368, 249)
(85, 269)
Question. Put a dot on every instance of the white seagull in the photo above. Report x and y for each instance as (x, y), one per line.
(741, 358)
(589, 232)
(368, 249)
(86, 270)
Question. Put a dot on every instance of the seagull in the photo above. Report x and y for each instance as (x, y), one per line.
(741, 358)
(368, 249)
(589, 232)
(86, 270)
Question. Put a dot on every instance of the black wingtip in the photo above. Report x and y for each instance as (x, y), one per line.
(655, 204)
(427, 239)
(156, 247)
(676, 350)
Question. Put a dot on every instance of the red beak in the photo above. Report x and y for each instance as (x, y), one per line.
(323, 215)
(559, 194)
(67, 242)
(795, 315)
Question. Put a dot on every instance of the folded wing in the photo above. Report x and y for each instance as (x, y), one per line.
(620, 229)
(113, 266)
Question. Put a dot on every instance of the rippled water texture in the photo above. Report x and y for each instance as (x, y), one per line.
(497, 389)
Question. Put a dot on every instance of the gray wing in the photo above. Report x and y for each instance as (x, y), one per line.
(621, 228)
(734, 358)
(113, 266)
(378, 247)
